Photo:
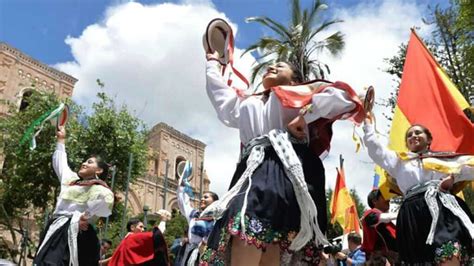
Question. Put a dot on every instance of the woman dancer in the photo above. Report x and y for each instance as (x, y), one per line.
(199, 228)
(70, 238)
(271, 203)
(433, 226)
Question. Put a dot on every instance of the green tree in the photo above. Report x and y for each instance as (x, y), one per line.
(29, 184)
(451, 43)
(297, 42)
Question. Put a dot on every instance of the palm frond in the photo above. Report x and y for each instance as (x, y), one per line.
(317, 6)
(323, 26)
(259, 67)
(295, 12)
(335, 43)
(268, 22)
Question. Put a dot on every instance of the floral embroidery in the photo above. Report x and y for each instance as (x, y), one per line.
(305, 109)
(449, 250)
(258, 234)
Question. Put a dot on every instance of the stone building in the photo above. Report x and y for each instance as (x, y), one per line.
(20, 74)
(168, 149)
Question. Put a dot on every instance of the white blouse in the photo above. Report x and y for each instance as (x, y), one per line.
(254, 117)
(96, 200)
(408, 173)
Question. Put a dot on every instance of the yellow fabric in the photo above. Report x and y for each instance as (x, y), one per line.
(343, 202)
(447, 167)
(400, 125)
(387, 185)
(84, 194)
(458, 97)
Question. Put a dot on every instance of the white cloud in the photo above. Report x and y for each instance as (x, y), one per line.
(373, 31)
(151, 58)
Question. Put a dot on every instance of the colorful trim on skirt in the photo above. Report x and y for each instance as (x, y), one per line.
(451, 250)
(260, 235)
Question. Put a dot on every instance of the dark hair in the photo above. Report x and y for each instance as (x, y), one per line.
(213, 195)
(297, 75)
(354, 238)
(105, 240)
(373, 196)
(133, 221)
(101, 163)
(425, 130)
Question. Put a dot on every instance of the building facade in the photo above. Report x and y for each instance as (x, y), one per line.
(20, 74)
(168, 149)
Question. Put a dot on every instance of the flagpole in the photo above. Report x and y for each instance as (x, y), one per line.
(124, 216)
(114, 170)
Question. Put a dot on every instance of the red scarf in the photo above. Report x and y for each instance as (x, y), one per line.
(320, 131)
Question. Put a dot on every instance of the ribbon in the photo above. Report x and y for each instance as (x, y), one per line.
(188, 168)
(30, 134)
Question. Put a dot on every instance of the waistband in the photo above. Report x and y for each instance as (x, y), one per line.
(421, 188)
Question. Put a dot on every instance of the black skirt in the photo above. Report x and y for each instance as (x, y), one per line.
(272, 215)
(413, 226)
(56, 250)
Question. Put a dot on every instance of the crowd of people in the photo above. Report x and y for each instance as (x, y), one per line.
(274, 212)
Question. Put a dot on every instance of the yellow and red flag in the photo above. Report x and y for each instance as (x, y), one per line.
(343, 208)
(428, 97)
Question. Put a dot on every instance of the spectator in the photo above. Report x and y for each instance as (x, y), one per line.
(356, 256)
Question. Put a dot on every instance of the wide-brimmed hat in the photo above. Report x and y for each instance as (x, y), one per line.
(63, 117)
(217, 37)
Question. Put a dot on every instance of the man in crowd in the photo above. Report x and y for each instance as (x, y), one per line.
(379, 231)
(356, 256)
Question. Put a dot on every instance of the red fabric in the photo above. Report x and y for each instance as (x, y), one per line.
(371, 234)
(425, 98)
(134, 249)
(320, 131)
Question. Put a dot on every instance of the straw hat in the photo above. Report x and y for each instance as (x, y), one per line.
(216, 38)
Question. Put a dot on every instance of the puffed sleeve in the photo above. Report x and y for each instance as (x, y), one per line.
(224, 99)
(101, 201)
(329, 103)
(467, 169)
(380, 154)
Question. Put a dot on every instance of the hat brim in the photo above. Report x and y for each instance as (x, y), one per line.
(63, 117)
(369, 99)
(216, 37)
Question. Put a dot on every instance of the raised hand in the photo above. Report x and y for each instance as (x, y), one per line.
(61, 134)
(297, 127)
(447, 183)
(368, 118)
(213, 56)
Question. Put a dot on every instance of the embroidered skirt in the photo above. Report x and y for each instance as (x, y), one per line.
(56, 250)
(272, 215)
(451, 238)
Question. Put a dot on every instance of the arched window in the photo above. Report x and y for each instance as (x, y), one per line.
(25, 99)
(179, 167)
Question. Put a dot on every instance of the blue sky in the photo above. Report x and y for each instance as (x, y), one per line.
(150, 56)
(39, 27)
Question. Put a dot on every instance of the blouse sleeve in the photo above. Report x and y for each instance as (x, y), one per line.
(224, 99)
(60, 166)
(184, 204)
(381, 155)
(467, 169)
(329, 103)
(101, 201)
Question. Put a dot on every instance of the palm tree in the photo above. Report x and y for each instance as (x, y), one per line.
(297, 42)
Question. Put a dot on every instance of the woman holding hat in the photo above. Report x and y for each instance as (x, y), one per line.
(433, 226)
(70, 238)
(277, 200)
